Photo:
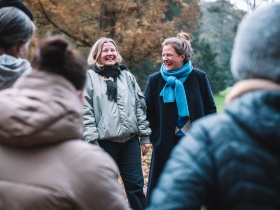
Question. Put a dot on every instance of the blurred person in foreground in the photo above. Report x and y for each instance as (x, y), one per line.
(16, 31)
(231, 160)
(176, 96)
(44, 164)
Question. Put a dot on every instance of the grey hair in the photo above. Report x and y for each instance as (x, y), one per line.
(96, 50)
(15, 27)
(181, 44)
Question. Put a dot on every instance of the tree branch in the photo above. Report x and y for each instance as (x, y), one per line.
(60, 29)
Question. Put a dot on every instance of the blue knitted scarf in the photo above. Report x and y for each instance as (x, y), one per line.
(174, 88)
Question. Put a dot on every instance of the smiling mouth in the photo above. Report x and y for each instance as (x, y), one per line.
(109, 59)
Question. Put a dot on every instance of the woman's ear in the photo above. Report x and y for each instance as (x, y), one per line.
(22, 49)
(183, 57)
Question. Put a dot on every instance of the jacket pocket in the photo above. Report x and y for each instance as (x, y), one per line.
(108, 128)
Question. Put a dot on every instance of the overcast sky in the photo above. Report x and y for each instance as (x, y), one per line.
(244, 4)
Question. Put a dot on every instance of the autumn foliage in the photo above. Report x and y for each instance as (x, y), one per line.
(138, 27)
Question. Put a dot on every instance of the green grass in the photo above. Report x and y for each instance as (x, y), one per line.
(220, 99)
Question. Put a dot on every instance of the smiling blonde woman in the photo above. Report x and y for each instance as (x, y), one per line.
(115, 116)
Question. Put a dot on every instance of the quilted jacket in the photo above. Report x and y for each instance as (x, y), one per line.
(227, 161)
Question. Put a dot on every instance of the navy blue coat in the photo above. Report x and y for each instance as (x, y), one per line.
(163, 116)
(228, 161)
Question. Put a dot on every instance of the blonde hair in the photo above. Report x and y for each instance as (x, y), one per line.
(181, 44)
(96, 50)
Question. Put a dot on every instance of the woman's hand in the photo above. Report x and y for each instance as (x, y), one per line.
(145, 148)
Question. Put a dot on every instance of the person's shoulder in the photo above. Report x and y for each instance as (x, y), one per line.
(213, 129)
(199, 75)
(91, 73)
(198, 72)
(125, 71)
(128, 76)
(155, 75)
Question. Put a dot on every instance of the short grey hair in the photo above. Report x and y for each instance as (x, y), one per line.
(15, 27)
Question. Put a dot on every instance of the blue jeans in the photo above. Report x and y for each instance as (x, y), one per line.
(128, 158)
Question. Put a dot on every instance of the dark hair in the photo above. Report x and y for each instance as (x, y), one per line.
(15, 27)
(55, 54)
(18, 4)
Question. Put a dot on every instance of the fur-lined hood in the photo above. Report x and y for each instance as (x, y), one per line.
(255, 106)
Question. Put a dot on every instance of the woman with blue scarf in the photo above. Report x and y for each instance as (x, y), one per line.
(176, 96)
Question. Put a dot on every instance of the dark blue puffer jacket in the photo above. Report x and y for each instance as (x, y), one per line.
(229, 161)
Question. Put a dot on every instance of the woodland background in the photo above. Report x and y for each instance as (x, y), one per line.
(140, 26)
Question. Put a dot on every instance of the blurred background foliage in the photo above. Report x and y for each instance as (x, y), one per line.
(140, 26)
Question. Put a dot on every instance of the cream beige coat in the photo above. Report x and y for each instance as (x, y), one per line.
(43, 164)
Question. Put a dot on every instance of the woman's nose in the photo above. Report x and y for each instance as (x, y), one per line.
(164, 57)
